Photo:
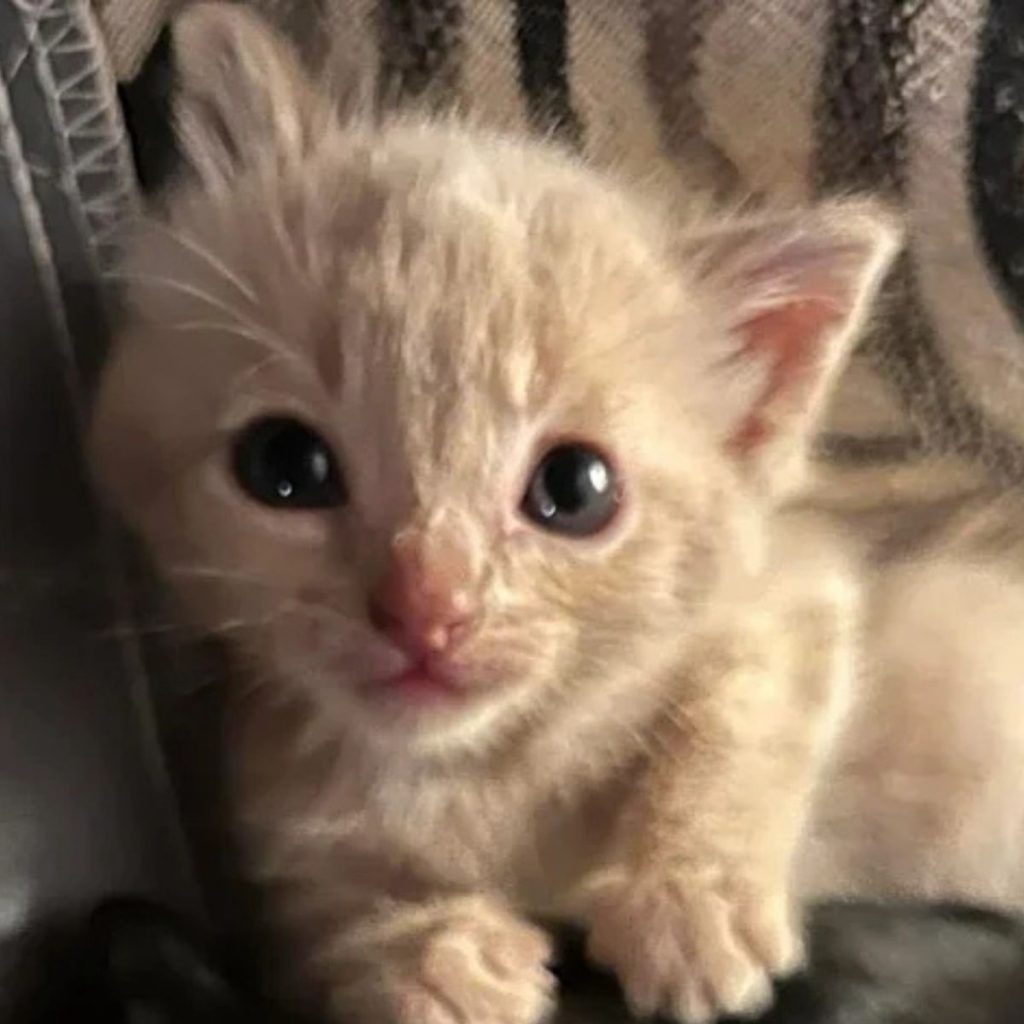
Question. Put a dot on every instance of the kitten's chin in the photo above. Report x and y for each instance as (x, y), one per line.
(425, 715)
(441, 730)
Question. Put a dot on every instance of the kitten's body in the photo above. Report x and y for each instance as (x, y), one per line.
(655, 722)
(932, 748)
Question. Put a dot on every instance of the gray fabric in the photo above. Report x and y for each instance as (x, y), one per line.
(84, 808)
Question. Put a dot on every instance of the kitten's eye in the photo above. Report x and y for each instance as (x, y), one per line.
(573, 491)
(282, 463)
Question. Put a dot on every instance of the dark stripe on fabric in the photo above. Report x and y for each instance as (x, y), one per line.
(146, 103)
(997, 147)
(542, 37)
(930, 390)
(851, 450)
(306, 24)
(862, 137)
(863, 145)
(421, 45)
(674, 34)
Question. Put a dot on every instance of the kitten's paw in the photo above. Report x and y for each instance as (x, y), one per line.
(689, 949)
(486, 969)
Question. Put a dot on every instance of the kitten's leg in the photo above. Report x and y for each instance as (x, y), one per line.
(694, 913)
(367, 936)
(451, 960)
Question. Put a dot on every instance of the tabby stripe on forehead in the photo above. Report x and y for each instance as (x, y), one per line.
(420, 51)
(870, 63)
(542, 36)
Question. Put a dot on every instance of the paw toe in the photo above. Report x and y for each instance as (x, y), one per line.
(748, 998)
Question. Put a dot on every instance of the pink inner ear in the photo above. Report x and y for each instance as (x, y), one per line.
(788, 338)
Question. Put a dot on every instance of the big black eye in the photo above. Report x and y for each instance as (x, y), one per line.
(282, 463)
(573, 491)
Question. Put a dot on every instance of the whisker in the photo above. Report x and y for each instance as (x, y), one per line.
(213, 572)
(286, 241)
(247, 333)
(238, 324)
(238, 382)
(277, 348)
(193, 245)
(182, 287)
(130, 630)
(199, 686)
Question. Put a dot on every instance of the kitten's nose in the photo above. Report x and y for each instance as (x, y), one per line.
(419, 605)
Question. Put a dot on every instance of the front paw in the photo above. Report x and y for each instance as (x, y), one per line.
(478, 968)
(692, 946)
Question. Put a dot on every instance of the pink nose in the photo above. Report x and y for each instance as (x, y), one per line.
(420, 607)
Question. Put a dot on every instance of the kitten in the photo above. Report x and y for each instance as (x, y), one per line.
(484, 469)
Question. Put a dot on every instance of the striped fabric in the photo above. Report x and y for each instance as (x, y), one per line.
(919, 100)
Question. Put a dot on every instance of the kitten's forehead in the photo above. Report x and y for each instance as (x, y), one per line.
(481, 297)
(489, 271)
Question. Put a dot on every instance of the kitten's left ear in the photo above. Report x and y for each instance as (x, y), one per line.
(242, 94)
(795, 290)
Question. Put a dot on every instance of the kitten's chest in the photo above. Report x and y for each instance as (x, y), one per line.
(569, 844)
(532, 845)
(530, 831)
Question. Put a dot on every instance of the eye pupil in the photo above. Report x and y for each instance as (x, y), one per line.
(572, 491)
(282, 463)
(567, 478)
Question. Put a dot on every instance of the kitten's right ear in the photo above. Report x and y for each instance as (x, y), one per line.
(243, 96)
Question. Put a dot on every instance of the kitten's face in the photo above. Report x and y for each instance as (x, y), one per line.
(425, 426)
(439, 337)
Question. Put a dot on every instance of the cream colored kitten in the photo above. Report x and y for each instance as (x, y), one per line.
(483, 467)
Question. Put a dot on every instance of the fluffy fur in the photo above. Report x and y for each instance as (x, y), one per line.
(658, 722)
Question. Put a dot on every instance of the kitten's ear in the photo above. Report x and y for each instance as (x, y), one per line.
(795, 289)
(243, 95)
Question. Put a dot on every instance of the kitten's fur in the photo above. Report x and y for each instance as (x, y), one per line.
(665, 718)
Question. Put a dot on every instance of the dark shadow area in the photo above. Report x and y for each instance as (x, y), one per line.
(132, 960)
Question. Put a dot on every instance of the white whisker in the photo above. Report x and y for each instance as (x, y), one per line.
(213, 261)
(237, 323)
(247, 332)
(183, 287)
(213, 572)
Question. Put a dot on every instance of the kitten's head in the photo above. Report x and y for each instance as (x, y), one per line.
(443, 430)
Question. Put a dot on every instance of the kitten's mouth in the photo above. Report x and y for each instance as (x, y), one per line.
(421, 683)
